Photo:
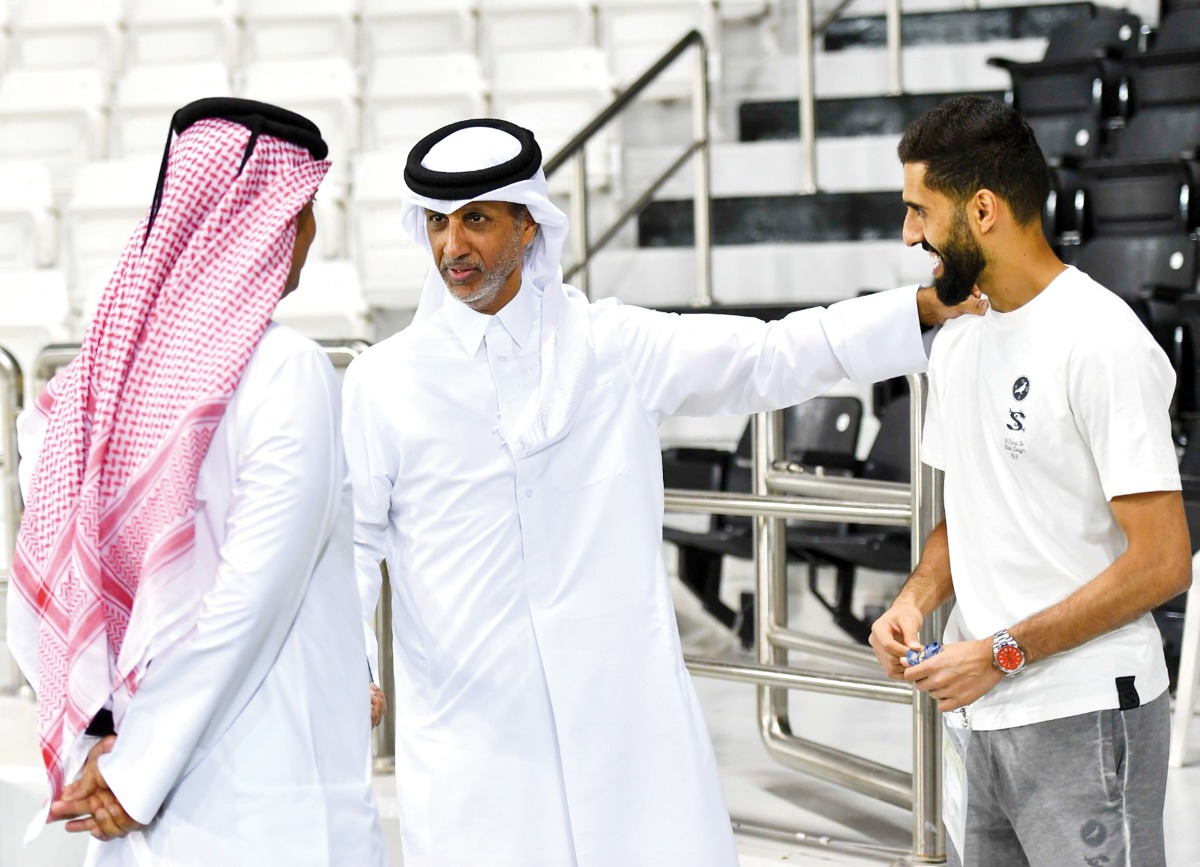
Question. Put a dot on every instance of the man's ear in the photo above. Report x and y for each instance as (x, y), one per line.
(983, 210)
(529, 230)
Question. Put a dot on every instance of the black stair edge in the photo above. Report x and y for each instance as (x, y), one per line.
(843, 117)
(820, 217)
(956, 26)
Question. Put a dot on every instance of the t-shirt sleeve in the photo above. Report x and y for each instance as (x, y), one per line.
(1119, 385)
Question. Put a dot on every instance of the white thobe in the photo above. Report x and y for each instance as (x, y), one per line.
(247, 741)
(544, 715)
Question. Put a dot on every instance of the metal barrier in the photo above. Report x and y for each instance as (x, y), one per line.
(12, 392)
(917, 504)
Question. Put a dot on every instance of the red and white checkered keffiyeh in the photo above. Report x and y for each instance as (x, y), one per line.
(111, 509)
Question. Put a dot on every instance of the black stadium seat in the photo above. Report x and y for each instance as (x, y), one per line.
(1068, 94)
(819, 432)
(849, 549)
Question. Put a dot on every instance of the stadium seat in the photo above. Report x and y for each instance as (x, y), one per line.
(849, 549)
(556, 93)
(148, 95)
(514, 25)
(299, 30)
(56, 117)
(183, 31)
(636, 33)
(67, 34)
(1068, 94)
(28, 230)
(403, 28)
(392, 267)
(409, 97)
(35, 315)
(108, 201)
(327, 304)
(819, 432)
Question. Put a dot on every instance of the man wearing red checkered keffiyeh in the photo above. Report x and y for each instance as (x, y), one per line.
(182, 600)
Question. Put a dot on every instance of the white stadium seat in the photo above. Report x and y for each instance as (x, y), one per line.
(146, 97)
(556, 93)
(392, 266)
(35, 315)
(62, 34)
(108, 201)
(56, 117)
(298, 29)
(328, 304)
(512, 25)
(409, 97)
(28, 233)
(636, 33)
(183, 31)
(402, 28)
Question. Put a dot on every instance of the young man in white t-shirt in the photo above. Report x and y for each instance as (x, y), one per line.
(1064, 522)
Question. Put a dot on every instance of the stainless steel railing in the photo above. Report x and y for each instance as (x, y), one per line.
(12, 391)
(917, 504)
(576, 152)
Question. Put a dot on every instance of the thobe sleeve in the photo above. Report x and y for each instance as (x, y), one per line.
(286, 490)
(23, 626)
(373, 469)
(707, 364)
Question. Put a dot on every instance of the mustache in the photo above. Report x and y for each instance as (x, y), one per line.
(459, 263)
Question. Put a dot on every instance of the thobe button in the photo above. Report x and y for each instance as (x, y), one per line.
(528, 493)
(503, 358)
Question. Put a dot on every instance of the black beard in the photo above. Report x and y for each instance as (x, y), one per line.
(962, 263)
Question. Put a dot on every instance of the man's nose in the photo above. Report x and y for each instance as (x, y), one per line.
(912, 233)
(456, 242)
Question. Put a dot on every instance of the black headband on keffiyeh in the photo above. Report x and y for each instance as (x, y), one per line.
(258, 117)
(471, 184)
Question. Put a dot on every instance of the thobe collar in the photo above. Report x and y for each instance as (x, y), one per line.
(517, 317)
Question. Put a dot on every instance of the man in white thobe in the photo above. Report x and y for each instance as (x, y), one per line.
(506, 466)
(246, 738)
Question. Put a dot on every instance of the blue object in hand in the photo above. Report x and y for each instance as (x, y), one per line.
(916, 657)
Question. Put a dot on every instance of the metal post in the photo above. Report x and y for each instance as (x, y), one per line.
(929, 835)
(384, 736)
(702, 198)
(12, 393)
(808, 106)
(895, 68)
(579, 220)
(770, 563)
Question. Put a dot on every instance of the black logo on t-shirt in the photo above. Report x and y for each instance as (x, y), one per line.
(1021, 388)
(1016, 416)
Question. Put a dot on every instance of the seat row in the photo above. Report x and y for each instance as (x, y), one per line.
(64, 118)
(107, 35)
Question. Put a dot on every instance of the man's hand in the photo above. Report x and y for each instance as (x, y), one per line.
(931, 311)
(378, 705)
(896, 632)
(961, 673)
(90, 805)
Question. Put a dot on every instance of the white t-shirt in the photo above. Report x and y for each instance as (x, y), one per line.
(1039, 417)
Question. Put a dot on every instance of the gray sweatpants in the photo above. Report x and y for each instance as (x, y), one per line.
(1085, 790)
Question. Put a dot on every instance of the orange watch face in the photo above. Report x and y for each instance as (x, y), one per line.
(1009, 657)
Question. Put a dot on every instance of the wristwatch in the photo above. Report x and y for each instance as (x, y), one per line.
(1007, 655)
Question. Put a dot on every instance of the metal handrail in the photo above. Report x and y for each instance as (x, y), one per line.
(918, 505)
(12, 394)
(575, 151)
